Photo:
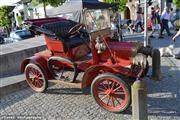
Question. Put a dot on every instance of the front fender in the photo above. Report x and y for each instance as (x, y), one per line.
(91, 73)
(39, 60)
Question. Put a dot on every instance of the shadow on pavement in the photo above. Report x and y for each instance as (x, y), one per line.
(15, 97)
(164, 96)
(65, 91)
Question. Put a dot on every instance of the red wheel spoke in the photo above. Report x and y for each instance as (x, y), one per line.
(101, 89)
(104, 86)
(108, 84)
(108, 100)
(35, 84)
(39, 74)
(112, 85)
(40, 78)
(101, 93)
(112, 98)
(33, 71)
(31, 77)
(104, 97)
(117, 88)
(39, 83)
(117, 100)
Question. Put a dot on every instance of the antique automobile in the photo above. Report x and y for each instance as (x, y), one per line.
(108, 67)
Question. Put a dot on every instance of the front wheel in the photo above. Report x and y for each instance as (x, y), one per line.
(110, 92)
(36, 78)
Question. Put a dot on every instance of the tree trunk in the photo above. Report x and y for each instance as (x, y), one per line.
(7, 30)
(44, 7)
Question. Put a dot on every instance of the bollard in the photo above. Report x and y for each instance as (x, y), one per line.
(139, 100)
(156, 63)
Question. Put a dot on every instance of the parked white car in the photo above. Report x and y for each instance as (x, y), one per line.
(19, 35)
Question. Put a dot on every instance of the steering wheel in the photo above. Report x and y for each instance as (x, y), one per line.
(75, 29)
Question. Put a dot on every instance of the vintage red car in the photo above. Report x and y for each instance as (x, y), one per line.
(109, 67)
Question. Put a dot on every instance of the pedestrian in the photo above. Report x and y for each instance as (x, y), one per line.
(152, 21)
(155, 20)
(139, 21)
(172, 19)
(176, 35)
(165, 17)
(117, 20)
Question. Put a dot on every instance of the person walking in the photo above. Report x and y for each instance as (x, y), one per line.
(152, 22)
(155, 20)
(139, 21)
(165, 17)
(172, 19)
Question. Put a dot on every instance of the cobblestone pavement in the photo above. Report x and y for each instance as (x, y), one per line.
(68, 103)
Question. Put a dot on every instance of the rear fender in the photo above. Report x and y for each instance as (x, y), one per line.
(39, 60)
(91, 73)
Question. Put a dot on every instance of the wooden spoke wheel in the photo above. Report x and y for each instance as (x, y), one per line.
(36, 78)
(110, 92)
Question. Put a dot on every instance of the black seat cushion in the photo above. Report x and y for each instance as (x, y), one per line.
(73, 41)
(61, 30)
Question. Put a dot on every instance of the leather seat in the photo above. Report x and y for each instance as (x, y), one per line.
(61, 30)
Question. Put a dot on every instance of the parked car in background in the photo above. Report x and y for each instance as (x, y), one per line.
(19, 35)
(2, 40)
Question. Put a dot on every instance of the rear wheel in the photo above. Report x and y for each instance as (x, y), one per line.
(60, 71)
(36, 78)
(56, 68)
(110, 92)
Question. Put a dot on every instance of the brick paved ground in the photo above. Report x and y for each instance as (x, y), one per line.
(68, 103)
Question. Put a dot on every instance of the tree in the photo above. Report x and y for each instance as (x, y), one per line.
(121, 3)
(177, 3)
(5, 19)
(53, 3)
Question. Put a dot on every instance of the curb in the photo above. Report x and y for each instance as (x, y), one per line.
(12, 87)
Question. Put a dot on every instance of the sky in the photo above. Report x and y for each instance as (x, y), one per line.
(7, 2)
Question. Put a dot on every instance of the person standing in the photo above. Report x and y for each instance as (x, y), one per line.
(117, 19)
(165, 17)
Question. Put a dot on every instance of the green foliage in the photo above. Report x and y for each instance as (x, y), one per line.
(20, 19)
(34, 2)
(121, 3)
(5, 20)
(53, 3)
(177, 3)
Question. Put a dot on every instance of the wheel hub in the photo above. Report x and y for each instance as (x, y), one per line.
(110, 92)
